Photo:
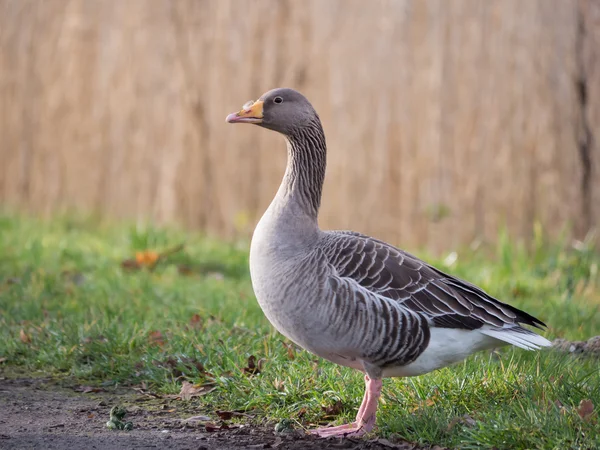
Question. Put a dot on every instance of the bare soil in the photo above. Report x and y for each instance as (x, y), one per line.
(39, 414)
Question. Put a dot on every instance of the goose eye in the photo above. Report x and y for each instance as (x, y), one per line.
(278, 100)
(248, 104)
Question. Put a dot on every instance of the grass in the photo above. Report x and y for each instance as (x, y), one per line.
(70, 310)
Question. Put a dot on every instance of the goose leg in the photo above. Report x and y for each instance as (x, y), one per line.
(365, 419)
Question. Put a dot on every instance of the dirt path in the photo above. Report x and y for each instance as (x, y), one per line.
(39, 415)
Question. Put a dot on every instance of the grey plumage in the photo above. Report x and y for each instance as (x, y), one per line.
(350, 298)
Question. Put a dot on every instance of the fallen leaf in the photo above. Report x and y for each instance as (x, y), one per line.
(25, 338)
(224, 415)
(196, 321)
(189, 390)
(227, 415)
(3, 360)
(211, 427)
(585, 408)
(156, 338)
(146, 258)
(254, 367)
(91, 415)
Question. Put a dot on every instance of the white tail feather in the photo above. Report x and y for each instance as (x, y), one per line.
(518, 337)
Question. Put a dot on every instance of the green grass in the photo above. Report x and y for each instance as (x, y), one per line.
(68, 309)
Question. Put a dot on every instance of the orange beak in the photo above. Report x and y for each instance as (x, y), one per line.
(251, 114)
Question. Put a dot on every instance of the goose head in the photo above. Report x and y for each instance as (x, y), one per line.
(283, 110)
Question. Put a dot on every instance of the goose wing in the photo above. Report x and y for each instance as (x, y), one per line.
(447, 301)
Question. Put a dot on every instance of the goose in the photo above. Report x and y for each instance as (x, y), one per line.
(353, 299)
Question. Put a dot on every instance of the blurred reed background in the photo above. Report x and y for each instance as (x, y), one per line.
(446, 120)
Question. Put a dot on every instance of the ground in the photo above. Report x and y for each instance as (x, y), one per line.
(36, 414)
(164, 322)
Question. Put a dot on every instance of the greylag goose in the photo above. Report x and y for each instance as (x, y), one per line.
(352, 299)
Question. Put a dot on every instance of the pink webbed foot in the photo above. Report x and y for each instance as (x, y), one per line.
(354, 429)
(365, 419)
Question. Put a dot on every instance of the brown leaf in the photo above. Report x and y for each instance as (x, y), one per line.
(189, 390)
(254, 367)
(211, 427)
(25, 338)
(227, 415)
(156, 338)
(196, 321)
(585, 408)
